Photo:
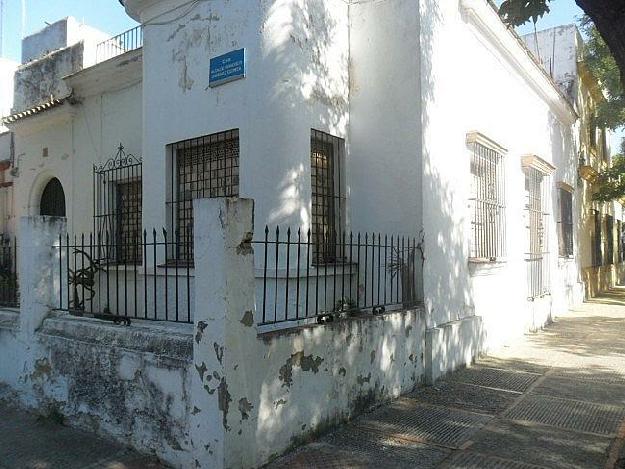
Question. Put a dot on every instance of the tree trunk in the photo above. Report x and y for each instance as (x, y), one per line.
(609, 18)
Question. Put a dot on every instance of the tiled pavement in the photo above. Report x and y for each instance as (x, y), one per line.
(28, 442)
(555, 399)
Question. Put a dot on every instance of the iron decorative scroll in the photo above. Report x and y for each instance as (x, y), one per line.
(120, 160)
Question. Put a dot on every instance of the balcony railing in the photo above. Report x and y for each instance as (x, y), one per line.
(120, 44)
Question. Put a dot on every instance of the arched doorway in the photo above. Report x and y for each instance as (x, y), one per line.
(53, 199)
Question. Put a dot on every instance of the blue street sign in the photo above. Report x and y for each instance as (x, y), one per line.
(227, 68)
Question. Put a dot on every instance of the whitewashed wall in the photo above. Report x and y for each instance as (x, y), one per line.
(475, 76)
(76, 137)
(297, 66)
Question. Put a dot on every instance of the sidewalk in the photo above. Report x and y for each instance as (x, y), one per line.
(554, 399)
(28, 442)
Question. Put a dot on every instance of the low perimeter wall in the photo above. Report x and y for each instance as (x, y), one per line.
(216, 393)
(132, 384)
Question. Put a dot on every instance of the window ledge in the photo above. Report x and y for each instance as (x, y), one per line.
(485, 261)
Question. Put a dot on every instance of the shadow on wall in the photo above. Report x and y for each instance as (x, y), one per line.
(448, 295)
(305, 42)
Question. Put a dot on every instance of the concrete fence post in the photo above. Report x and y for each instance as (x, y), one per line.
(224, 305)
(38, 262)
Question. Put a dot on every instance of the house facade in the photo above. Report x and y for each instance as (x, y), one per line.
(561, 49)
(303, 207)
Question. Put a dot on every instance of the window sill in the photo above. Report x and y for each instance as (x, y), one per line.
(485, 261)
(479, 267)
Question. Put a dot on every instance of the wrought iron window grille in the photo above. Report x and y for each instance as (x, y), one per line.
(206, 166)
(118, 208)
(327, 160)
(487, 205)
(565, 231)
(538, 270)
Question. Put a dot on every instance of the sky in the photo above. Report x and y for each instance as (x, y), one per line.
(109, 16)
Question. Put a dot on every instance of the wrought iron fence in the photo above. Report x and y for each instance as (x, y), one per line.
(120, 44)
(154, 286)
(9, 288)
(371, 273)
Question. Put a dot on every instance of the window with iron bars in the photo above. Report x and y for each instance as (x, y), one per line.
(537, 206)
(328, 201)
(565, 231)
(609, 249)
(487, 204)
(619, 241)
(597, 257)
(118, 208)
(201, 167)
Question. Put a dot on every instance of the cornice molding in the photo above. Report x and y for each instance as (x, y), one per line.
(537, 163)
(565, 186)
(477, 137)
(487, 21)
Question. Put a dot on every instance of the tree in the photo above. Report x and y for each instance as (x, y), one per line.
(607, 15)
(611, 182)
(597, 56)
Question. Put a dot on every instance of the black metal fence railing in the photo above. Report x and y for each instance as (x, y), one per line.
(93, 281)
(371, 273)
(9, 288)
(117, 45)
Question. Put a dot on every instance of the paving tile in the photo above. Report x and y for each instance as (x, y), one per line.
(607, 376)
(410, 420)
(466, 396)
(568, 414)
(590, 391)
(471, 460)
(513, 364)
(541, 445)
(27, 442)
(322, 455)
(390, 452)
(518, 381)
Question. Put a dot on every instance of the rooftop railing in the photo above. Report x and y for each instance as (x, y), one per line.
(120, 44)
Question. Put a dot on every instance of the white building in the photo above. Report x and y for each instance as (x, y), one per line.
(425, 121)
(601, 252)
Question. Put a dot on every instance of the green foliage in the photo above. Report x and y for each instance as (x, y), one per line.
(598, 58)
(518, 12)
(611, 182)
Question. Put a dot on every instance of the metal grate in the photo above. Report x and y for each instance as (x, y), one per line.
(609, 249)
(536, 186)
(326, 159)
(202, 167)
(597, 256)
(565, 231)
(488, 236)
(621, 241)
(118, 207)
(129, 203)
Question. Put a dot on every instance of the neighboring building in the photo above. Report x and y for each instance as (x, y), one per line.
(561, 49)
(425, 154)
(7, 145)
(72, 111)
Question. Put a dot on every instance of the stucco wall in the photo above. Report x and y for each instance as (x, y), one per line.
(36, 81)
(270, 391)
(297, 79)
(76, 136)
(498, 99)
(131, 384)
